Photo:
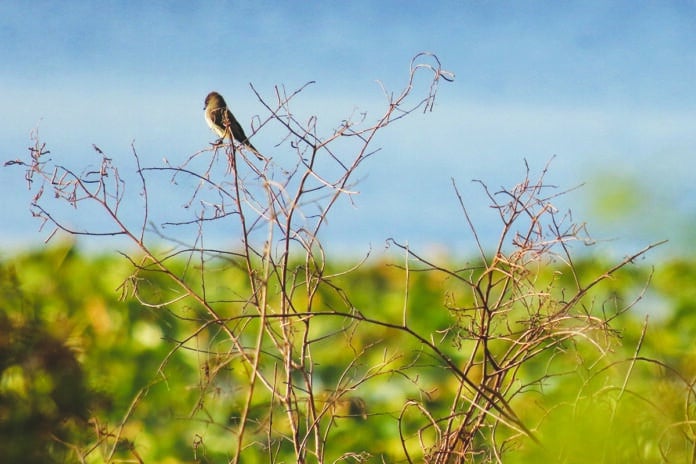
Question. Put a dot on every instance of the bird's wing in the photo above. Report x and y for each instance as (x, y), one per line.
(238, 132)
(217, 116)
(236, 128)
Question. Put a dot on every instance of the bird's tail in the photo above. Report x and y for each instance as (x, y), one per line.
(253, 149)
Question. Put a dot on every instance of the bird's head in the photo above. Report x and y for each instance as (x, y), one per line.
(214, 100)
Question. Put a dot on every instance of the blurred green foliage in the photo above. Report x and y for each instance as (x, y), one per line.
(79, 356)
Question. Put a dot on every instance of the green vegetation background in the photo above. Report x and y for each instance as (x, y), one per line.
(74, 348)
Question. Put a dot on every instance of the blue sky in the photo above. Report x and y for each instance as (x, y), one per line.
(609, 88)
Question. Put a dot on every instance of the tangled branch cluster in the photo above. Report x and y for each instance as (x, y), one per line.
(265, 339)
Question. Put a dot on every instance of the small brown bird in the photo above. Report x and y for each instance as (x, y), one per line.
(221, 121)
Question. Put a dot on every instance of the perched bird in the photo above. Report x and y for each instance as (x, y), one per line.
(223, 123)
